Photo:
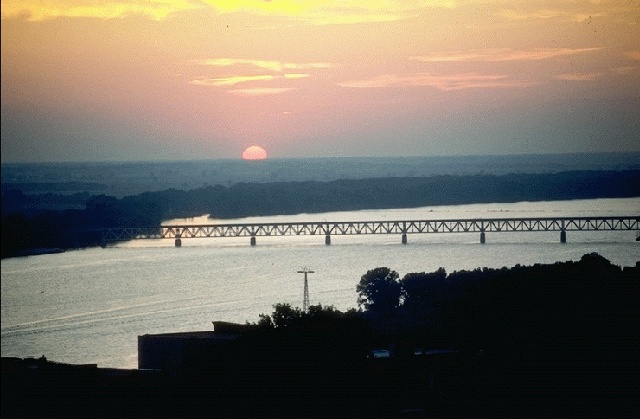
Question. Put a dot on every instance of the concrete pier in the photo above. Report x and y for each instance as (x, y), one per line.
(483, 238)
(178, 242)
(563, 236)
(327, 239)
(253, 240)
(404, 238)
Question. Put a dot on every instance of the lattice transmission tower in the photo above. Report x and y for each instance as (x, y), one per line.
(305, 295)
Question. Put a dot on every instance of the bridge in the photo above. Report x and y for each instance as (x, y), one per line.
(401, 228)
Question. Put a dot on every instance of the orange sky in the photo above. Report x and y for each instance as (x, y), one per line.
(86, 80)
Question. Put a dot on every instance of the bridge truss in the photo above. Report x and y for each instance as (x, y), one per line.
(344, 228)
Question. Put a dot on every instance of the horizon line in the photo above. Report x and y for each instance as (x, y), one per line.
(188, 160)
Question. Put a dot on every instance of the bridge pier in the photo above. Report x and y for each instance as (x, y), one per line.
(178, 242)
(563, 236)
(253, 240)
(483, 238)
(404, 238)
(327, 239)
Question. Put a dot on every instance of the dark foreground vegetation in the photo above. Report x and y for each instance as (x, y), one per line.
(56, 221)
(542, 340)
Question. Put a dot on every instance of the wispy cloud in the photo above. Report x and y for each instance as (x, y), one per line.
(295, 75)
(318, 12)
(38, 10)
(261, 91)
(578, 76)
(240, 65)
(633, 55)
(229, 81)
(625, 69)
(504, 54)
(272, 65)
(331, 12)
(441, 82)
(233, 80)
(566, 15)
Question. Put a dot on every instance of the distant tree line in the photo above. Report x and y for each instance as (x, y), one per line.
(62, 221)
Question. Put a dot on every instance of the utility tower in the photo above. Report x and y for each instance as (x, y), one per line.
(305, 296)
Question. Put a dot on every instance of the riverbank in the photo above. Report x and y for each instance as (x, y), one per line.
(39, 251)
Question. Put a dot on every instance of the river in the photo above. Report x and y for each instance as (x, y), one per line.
(89, 306)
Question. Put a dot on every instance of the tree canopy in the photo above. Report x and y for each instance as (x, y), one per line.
(379, 290)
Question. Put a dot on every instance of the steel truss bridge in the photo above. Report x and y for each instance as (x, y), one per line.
(402, 228)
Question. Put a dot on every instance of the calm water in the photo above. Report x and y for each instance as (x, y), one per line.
(89, 306)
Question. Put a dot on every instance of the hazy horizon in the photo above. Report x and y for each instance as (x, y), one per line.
(128, 178)
(631, 153)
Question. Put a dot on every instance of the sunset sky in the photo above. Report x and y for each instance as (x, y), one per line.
(89, 80)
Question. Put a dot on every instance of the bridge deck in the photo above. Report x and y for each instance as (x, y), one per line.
(403, 227)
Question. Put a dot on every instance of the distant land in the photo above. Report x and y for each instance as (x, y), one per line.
(119, 179)
(57, 206)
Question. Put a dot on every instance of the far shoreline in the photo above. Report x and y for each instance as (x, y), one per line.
(433, 212)
(39, 251)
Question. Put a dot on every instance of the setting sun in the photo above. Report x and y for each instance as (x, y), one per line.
(254, 153)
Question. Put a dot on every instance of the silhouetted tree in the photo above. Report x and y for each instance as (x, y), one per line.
(283, 316)
(421, 290)
(379, 290)
(424, 302)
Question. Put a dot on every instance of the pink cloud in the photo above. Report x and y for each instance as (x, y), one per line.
(441, 82)
(504, 54)
(633, 55)
(566, 15)
(577, 76)
(261, 91)
(229, 81)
